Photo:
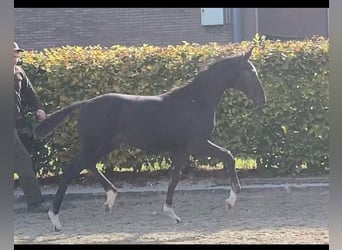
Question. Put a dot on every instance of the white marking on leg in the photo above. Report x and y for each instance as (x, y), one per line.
(169, 212)
(55, 220)
(231, 200)
(287, 188)
(111, 196)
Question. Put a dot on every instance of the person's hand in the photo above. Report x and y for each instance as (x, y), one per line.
(41, 115)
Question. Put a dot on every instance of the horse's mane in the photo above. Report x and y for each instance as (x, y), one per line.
(204, 69)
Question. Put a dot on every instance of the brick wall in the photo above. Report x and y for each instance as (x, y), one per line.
(293, 22)
(285, 23)
(38, 28)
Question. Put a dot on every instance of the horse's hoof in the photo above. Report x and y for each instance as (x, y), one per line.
(169, 212)
(231, 200)
(111, 196)
(106, 208)
(55, 221)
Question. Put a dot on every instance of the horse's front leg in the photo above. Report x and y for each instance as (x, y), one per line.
(178, 163)
(210, 149)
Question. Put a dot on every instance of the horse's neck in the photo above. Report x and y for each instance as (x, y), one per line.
(205, 90)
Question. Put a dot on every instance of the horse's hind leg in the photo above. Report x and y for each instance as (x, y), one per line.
(69, 174)
(210, 149)
(103, 148)
(178, 162)
(111, 191)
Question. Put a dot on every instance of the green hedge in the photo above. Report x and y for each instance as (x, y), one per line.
(287, 135)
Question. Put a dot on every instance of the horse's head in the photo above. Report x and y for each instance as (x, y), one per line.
(247, 79)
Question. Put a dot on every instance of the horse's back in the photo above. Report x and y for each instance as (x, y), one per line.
(115, 113)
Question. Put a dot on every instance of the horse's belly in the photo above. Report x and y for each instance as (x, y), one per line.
(157, 141)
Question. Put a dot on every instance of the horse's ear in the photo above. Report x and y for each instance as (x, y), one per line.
(245, 57)
(248, 54)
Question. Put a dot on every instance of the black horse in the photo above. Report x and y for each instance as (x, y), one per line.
(178, 122)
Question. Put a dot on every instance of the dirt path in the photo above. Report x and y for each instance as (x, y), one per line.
(261, 216)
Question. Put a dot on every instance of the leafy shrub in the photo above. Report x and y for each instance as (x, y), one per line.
(287, 135)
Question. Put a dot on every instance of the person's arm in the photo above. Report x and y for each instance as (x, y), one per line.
(31, 97)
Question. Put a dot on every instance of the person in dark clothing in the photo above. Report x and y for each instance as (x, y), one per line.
(23, 163)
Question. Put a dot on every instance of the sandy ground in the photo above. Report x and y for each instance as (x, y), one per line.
(260, 216)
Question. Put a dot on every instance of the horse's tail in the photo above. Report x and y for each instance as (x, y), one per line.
(46, 127)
